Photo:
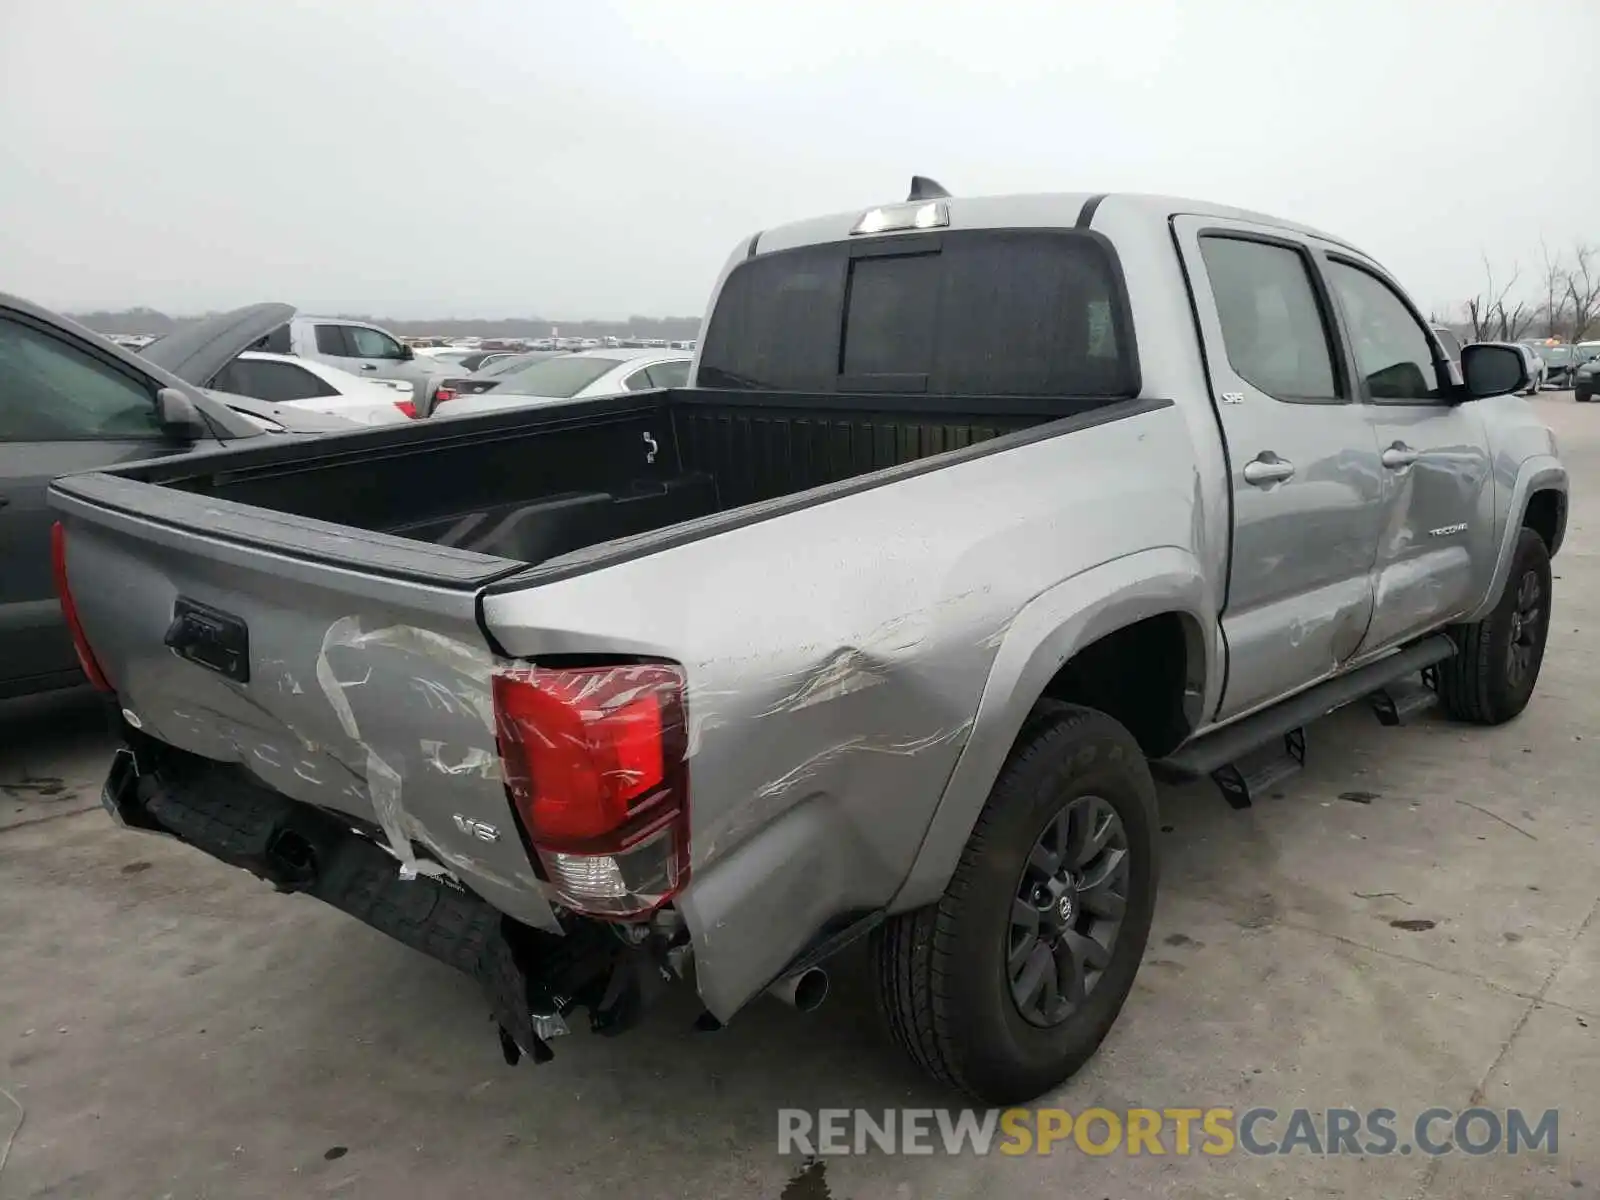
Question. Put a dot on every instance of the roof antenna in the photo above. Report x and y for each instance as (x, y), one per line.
(923, 188)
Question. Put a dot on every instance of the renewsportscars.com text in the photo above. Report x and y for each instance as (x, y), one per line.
(1177, 1132)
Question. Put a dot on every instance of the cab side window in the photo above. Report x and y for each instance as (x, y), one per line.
(1273, 326)
(276, 342)
(53, 391)
(370, 343)
(1394, 353)
(331, 341)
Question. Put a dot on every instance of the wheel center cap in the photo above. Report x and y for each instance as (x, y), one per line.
(1066, 908)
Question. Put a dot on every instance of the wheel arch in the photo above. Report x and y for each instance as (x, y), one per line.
(1546, 515)
(1146, 607)
(1538, 501)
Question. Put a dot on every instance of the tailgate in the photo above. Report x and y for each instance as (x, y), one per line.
(344, 669)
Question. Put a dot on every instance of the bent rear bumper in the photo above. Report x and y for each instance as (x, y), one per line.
(530, 978)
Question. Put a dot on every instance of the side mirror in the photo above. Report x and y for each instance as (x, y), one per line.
(406, 353)
(179, 417)
(1491, 370)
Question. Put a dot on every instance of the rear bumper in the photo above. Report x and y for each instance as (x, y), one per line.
(300, 849)
(530, 978)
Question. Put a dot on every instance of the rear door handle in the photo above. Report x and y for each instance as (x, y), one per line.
(1267, 469)
(1399, 456)
(369, 366)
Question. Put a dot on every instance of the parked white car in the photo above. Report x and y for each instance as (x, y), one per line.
(1537, 369)
(315, 387)
(573, 377)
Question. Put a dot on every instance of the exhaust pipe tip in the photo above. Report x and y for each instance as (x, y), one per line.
(804, 990)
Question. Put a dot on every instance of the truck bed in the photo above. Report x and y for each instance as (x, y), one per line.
(495, 494)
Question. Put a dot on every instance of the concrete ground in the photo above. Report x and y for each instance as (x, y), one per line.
(1411, 923)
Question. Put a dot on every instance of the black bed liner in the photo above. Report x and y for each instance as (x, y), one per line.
(462, 503)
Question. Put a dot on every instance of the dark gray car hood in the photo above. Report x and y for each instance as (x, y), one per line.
(197, 352)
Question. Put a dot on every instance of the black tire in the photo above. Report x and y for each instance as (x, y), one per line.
(943, 984)
(1482, 683)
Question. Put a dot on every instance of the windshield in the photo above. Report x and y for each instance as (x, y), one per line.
(562, 377)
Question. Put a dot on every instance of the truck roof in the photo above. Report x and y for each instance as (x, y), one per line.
(1040, 210)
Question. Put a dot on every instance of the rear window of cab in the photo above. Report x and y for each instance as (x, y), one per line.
(969, 312)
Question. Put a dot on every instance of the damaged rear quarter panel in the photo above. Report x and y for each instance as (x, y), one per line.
(836, 656)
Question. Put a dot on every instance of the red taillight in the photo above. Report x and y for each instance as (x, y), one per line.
(69, 609)
(407, 407)
(594, 761)
(443, 394)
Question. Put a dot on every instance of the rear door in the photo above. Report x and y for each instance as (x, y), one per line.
(1307, 486)
(1438, 502)
(63, 408)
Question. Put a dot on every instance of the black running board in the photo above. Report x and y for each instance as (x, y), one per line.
(1400, 702)
(1229, 750)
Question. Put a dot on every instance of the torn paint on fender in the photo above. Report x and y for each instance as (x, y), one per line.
(845, 671)
(813, 765)
(874, 657)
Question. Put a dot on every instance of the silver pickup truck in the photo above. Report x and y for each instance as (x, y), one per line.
(978, 516)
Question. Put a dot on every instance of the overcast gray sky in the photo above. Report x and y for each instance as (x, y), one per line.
(597, 158)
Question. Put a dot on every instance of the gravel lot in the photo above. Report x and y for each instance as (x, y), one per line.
(170, 1027)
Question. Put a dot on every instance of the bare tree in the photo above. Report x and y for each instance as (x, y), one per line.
(1491, 320)
(1583, 290)
(1515, 322)
(1551, 314)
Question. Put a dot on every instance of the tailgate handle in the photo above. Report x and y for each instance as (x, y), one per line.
(210, 638)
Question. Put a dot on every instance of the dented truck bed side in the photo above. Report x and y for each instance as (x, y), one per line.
(836, 657)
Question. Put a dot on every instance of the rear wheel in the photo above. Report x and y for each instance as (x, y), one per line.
(1497, 661)
(1008, 984)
